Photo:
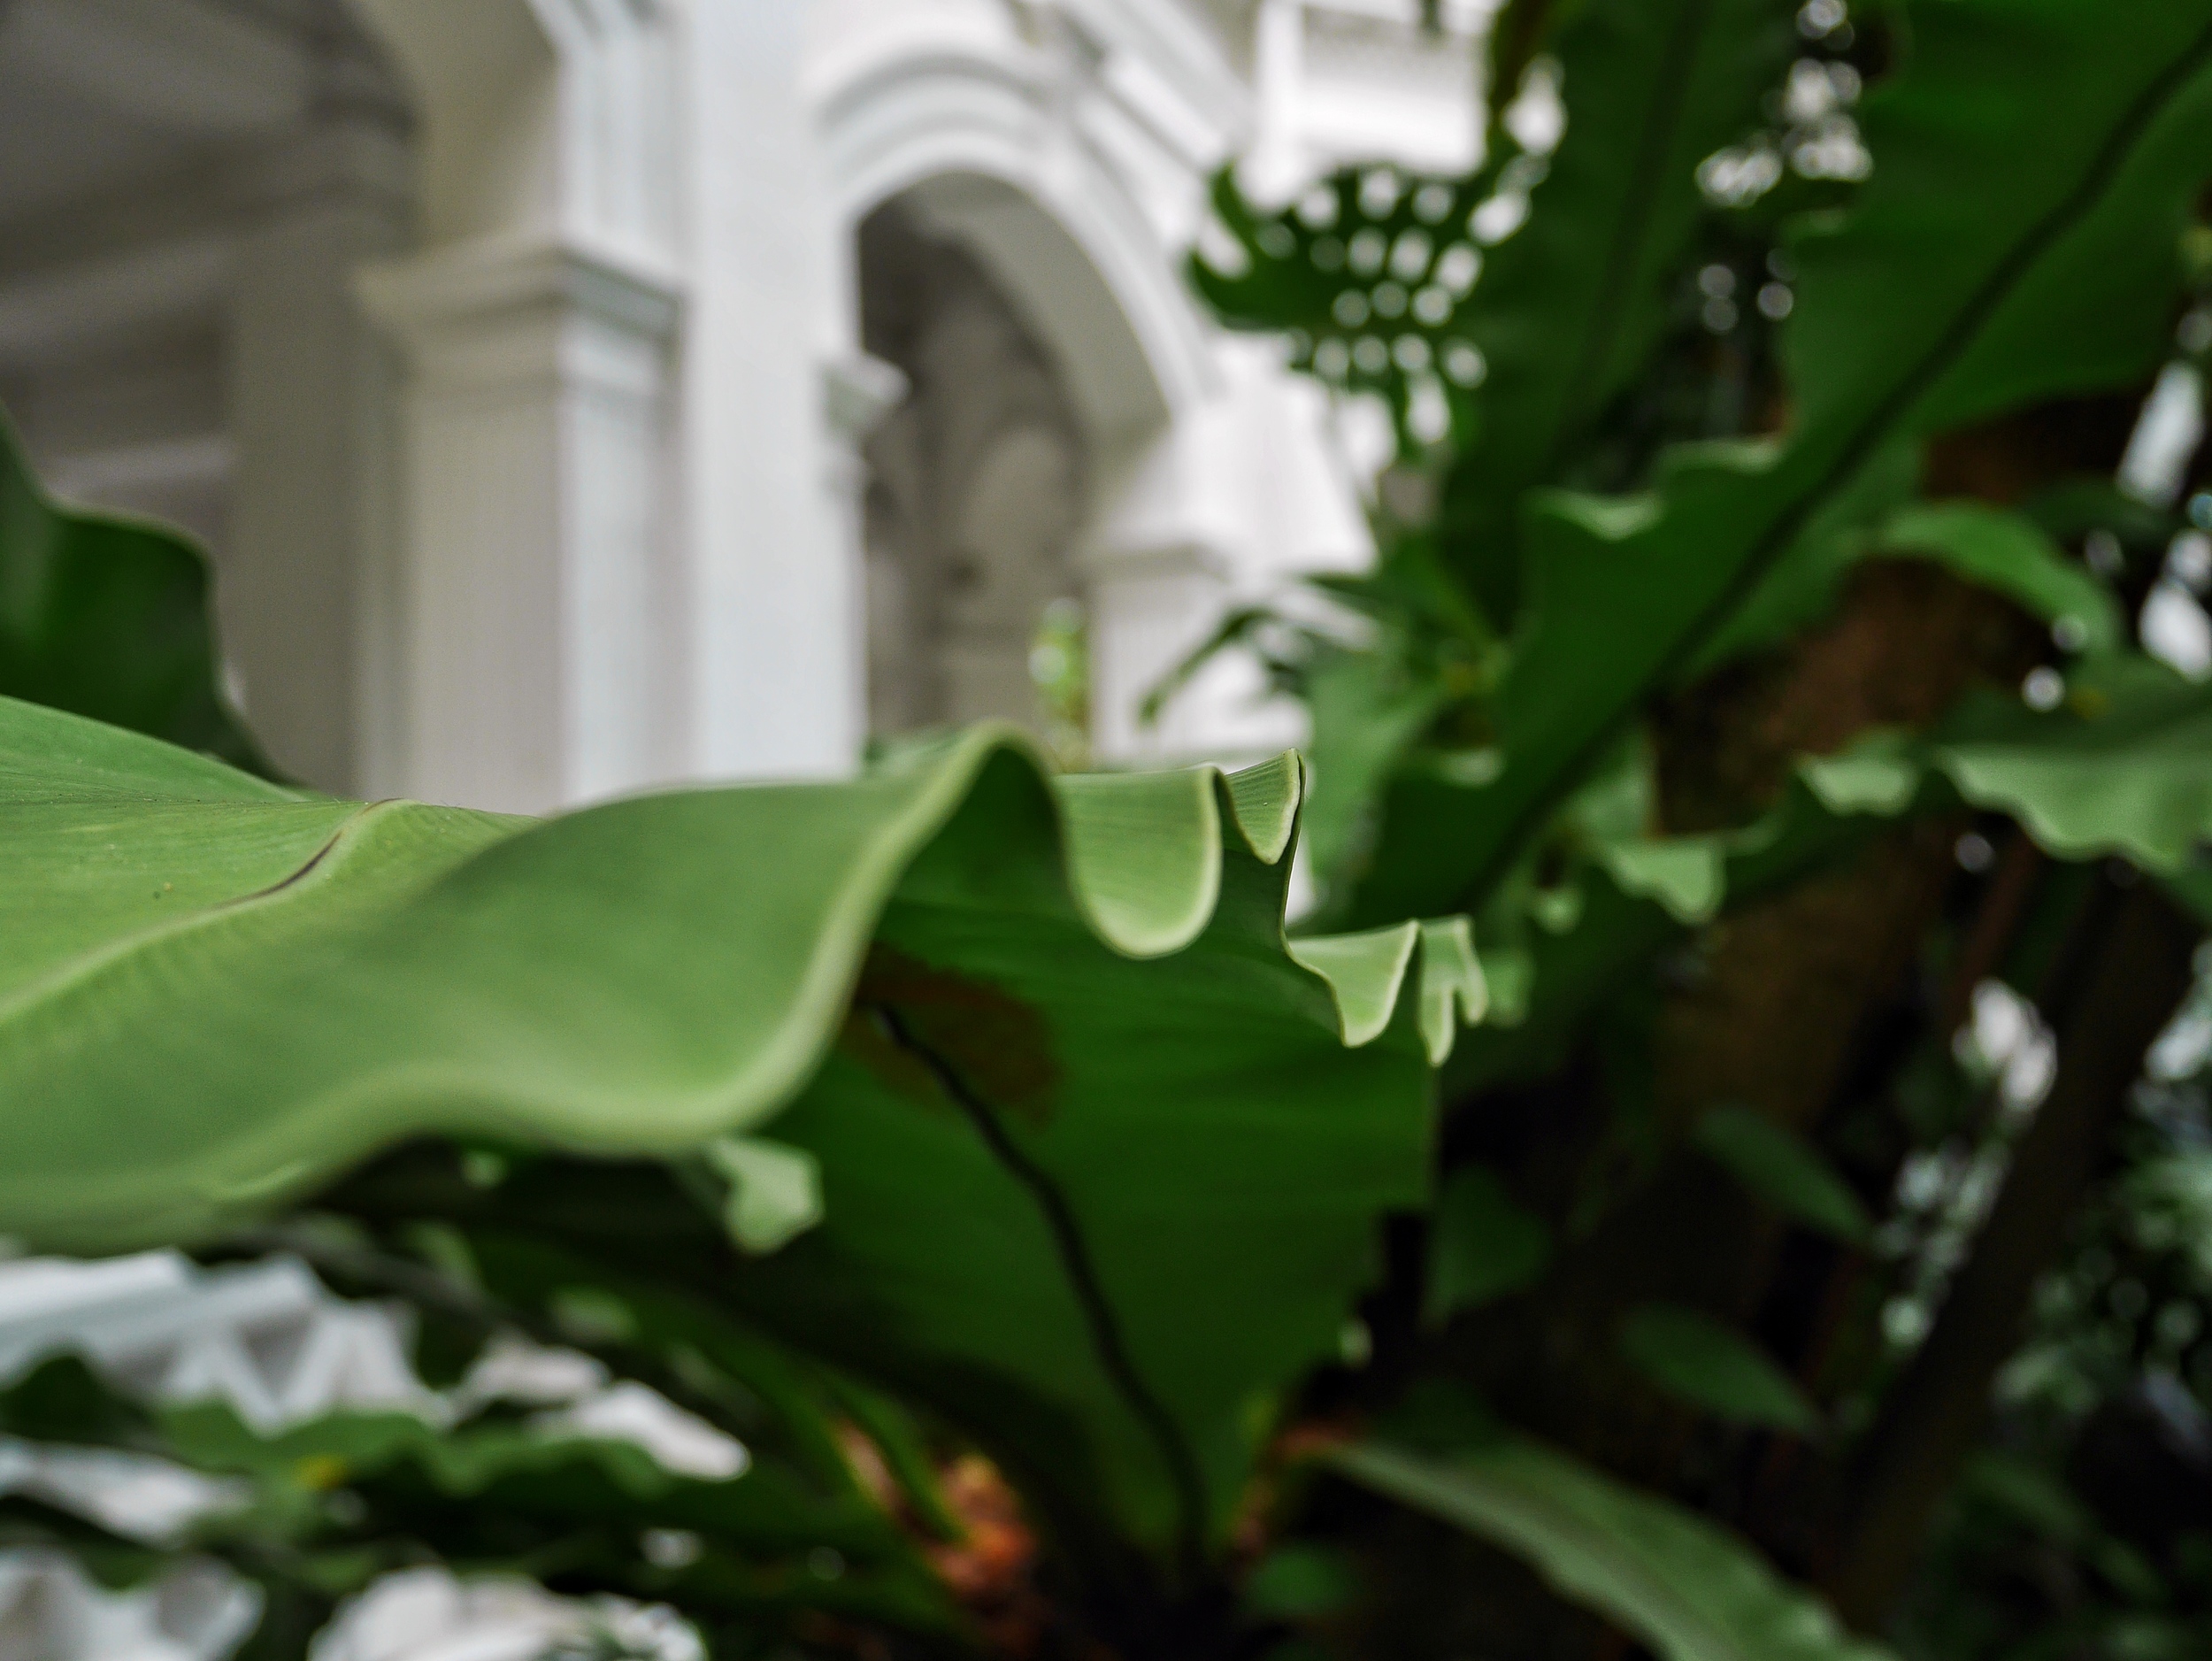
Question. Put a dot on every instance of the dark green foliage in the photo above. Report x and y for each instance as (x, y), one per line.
(108, 619)
(1634, 538)
(1481, 1245)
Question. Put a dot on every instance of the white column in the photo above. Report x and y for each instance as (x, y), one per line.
(308, 390)
(774, 586)
(1234, 504)
(859, 391)
(1277, 163)
(538, 610)
(1159, 568)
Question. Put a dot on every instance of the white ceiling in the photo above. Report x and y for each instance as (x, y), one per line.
(97, 93)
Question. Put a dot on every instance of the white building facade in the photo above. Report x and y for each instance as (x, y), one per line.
(582, 395)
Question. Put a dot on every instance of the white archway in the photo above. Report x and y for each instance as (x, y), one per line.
(1207, 477)
(975, 138)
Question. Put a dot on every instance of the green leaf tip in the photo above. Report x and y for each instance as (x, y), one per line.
(1698, 1359)
(1783, 1170)
(1685, 1589)
(1367, 972)
(775, 1191)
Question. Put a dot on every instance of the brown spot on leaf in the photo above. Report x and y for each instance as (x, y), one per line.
(1001, 1046)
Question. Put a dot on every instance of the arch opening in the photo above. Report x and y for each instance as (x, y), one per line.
(980, 486)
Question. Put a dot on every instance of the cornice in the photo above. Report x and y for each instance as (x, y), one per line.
(427, 295)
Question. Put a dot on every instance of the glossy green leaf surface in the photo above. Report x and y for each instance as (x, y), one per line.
(1572, 253)
(2007, 554)
(1100, 1165)
(1685, 1588)
(2121, 767)
(2126, 769)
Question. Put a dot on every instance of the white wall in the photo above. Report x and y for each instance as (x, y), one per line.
(521, 396)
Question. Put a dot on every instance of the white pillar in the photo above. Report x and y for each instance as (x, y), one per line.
(858, 392)
(539, 608)
(774, 590)
(1234, 504)
(302, 594)
(1277, 163)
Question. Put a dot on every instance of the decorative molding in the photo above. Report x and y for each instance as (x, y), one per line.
(1157, 33)
(424, 299)
(1010, 177)
(206, 458)
(536, 579)
(557, 119)
(617, 136)
(1194, 137)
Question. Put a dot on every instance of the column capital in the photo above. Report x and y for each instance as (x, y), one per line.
(424, 300)
(859, 391)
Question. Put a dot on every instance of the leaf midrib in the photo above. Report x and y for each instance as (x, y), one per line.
(1100, 1319)
(77, 970)
(1662, 127)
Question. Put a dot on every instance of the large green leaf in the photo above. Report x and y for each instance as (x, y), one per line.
(1576, 278)
(107, 618)
(2007, 554)
(2118, 768)
(1573, 304)
(1687, 1590)
(2079, 133)
(2004, 552)
(2122, 766)
(1363, 717)
(1101, 1165)
(1627, 907)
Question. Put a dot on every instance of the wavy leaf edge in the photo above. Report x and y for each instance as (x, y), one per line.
(1146, 896)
